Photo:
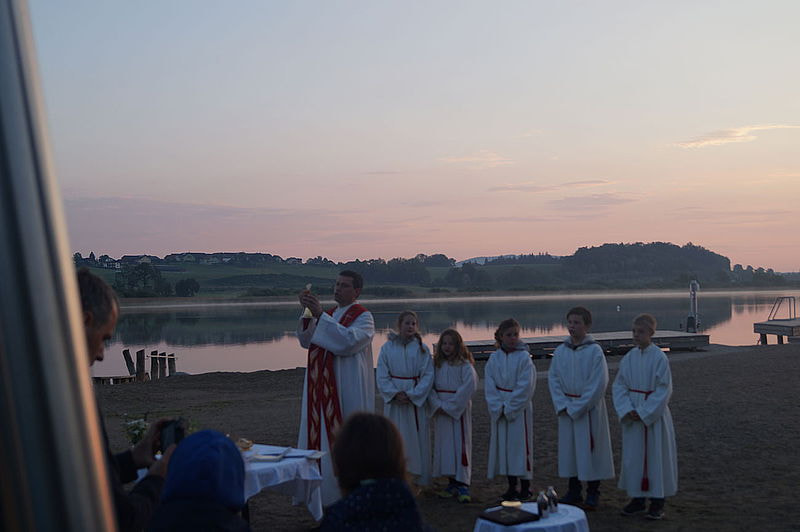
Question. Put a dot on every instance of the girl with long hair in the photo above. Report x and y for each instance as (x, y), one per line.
(405, 377)
(450, 402)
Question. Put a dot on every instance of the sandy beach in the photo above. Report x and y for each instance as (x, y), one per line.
(735, 409)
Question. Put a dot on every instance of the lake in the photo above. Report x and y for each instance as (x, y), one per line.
(258, 336)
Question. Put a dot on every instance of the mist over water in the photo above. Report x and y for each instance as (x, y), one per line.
(255, 337)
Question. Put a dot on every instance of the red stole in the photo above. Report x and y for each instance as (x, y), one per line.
(464, 459)
(321, 387)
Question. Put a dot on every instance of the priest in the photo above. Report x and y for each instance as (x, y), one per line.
(340, 376)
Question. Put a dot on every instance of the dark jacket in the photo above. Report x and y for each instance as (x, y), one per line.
(383, 504)
(133, 509)
(204, 488)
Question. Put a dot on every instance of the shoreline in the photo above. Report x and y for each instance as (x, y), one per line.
(171, 303)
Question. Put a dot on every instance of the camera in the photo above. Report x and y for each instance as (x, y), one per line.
(172, 432)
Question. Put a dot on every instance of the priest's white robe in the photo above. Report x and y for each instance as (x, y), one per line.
(355, 378)
(408, 368)
(578, 377)
(453, 388)
(646, 371)
(510, 379)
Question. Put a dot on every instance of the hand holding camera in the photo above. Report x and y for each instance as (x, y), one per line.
(172, 433)
(159, 437)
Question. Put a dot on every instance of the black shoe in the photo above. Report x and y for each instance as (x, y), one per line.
(592, 501)
(656, 511)
(511, 495)
(634, 507)
(571, 498)
(524, 495)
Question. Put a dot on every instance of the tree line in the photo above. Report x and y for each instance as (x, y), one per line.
(144, 280)
(608, 266)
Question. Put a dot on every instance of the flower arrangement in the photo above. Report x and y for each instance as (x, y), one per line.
(135, 429)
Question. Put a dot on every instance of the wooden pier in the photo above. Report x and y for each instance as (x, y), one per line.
(611, 342)
(780, 328)
(162, 365)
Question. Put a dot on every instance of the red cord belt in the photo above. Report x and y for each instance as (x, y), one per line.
(415, 379)
(645, 477)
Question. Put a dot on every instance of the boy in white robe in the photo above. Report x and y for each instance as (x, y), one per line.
(341, 342)
(405, 377)
(578, 378)
(510, 379)
(450, 404)
(641, 394)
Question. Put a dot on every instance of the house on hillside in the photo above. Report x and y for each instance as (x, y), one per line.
(139, 259)
(181, 257)
(107, 262)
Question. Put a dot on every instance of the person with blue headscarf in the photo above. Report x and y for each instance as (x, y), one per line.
(204, 489)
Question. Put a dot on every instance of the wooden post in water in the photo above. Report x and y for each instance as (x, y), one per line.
(153, 365)
(126, 354)
(140, 365)
(171, 364)
(162, 365)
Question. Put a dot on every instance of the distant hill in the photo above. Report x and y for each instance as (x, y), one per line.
(483, 260)
(608, 266)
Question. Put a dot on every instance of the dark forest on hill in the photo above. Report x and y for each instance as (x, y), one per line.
(656, 265)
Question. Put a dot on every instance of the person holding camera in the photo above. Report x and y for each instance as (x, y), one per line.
(204, 489)
(133, 510)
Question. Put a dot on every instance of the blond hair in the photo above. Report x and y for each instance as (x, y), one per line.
(413, 314)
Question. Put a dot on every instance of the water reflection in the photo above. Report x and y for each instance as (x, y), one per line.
(247, 338)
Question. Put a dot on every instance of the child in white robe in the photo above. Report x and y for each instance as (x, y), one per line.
(405, 377)
(641, 393)
(510, 379)
(578, 377)
(450, 403)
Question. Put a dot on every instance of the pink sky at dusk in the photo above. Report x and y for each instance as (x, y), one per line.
(362, 130)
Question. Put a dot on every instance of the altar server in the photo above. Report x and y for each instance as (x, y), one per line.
(578, 377)
(450, 403)
(339, 375)
(641, 392)
(510, 378)
(405, 378)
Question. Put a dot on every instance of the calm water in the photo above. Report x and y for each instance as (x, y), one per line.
(251, 337)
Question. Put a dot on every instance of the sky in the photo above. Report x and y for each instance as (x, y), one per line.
(363, 129)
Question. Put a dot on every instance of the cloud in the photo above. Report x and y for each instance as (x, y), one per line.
(737, 217)
(531, 133)
(591, 201)
(784, 175)
(528, 186)
(502, 219)
(532, 186)
(554, 218)
(126, 225)
(422, 203)
(727, 136)
(586, 183)
(481, 159)
(132, 225)
(383, 172)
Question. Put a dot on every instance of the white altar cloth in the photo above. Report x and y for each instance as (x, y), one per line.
(568, 519)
